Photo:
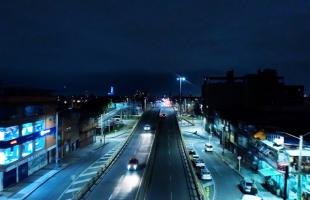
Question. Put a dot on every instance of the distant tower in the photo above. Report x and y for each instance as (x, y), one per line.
(111, 92)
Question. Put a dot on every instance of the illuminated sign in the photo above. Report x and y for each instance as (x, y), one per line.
(44, 132)
(13, 142)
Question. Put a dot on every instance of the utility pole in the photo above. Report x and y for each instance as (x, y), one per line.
(285, 182)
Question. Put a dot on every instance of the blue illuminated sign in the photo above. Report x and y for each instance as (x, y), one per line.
(45, 132)
(26, 138)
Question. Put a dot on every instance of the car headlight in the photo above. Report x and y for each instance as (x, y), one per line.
(135, 166)
(128, 166)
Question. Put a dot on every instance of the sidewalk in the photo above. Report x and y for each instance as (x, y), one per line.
(231, 160)
(24, 188)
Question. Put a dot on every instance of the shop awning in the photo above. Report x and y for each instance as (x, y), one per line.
(269, 172)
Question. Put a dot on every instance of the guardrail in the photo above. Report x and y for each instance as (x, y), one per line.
(195, 188)
(86, 187)
(144, 184)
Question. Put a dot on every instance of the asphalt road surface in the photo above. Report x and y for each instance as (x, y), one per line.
(168, 179)
(118, 182)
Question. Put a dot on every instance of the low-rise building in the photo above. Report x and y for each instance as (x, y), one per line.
(27, 133)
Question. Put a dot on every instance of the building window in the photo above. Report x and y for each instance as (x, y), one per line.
(27, 148)
(39, 126)
(27, 129)
(9, 133)
(39, 143)
(9, 155)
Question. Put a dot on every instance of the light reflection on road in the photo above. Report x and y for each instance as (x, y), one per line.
(131, 180)
(125, 185)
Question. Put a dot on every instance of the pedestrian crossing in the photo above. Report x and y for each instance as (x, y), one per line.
(90, 172)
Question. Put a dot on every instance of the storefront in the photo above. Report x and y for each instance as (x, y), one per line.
(24, 149)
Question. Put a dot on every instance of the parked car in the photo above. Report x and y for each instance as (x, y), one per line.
(204, 174)
(193, 157)
(191, 151)
(199, 163)
(247, 186)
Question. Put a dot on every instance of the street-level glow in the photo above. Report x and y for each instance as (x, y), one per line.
(166, 102)
(125, 185)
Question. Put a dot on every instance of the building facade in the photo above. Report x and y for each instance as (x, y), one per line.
(27, 135)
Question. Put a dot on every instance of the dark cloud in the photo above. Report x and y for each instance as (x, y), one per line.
(92, 44)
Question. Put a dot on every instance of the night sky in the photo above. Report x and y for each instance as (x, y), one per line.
(90, 45)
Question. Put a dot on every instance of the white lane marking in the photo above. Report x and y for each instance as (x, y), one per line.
(171, 195)
(87, 174)
(81, 181)
(94, 167)
(73, 190)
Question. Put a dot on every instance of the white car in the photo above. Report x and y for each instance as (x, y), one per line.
(147, 127)
(199, 163)
(208, 147)
(204, 174)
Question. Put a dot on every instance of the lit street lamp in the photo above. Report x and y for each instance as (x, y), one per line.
(239, 159)
(181, 79)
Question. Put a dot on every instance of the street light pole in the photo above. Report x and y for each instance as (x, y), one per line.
(180, 79)
(239, 159)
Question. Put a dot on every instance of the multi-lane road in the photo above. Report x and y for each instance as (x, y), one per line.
(169, 176)
(118, 182)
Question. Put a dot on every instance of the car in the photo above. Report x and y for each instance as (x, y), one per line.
(208, 147)
(191, 151)
(247, 186)
(193, 156)
(204, 174)
(199, 163)
(133, 164)
(250, 197)
(147, 127)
